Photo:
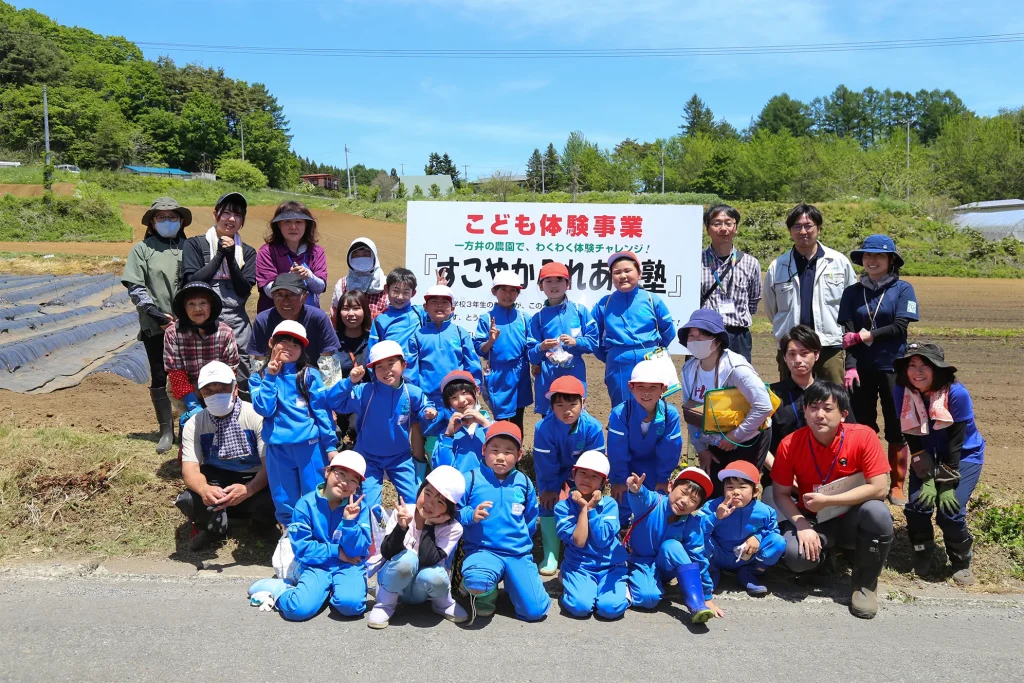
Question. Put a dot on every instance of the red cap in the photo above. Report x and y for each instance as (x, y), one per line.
(621, 255)
(567, 385)
(697, 475)
(457, 374)
(741, 469)
(505, 428)
(553, 269)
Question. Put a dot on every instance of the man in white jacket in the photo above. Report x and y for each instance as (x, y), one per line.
(804, 286)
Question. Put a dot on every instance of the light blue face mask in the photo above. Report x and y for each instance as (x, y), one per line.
(168, 229)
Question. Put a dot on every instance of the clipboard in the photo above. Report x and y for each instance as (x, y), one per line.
(841, 485)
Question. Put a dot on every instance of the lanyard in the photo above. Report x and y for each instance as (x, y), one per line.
(302, 258)
(796, 414)
(726, 268)
(814, 460)
(867, 307)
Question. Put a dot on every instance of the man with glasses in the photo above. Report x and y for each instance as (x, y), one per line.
(804, 287)
(730, 281)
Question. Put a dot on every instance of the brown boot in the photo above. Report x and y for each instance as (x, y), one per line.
(899, 456)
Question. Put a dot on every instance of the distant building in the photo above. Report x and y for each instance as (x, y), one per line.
(324, 180)
(520, 180)
(158, 172)
(411, 182)
(995, 219)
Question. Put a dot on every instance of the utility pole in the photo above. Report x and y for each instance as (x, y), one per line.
(542, 189)
(47, 169)
(403, 168)
(241, 125)
(465, 173)
(663, 170)
(348, 175)
(908, 159)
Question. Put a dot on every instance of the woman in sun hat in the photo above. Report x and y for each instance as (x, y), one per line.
(291, 247)
(875, 313)
(947, 454)
(152, 275)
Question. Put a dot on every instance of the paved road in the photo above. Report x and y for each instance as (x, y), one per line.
(134, 629)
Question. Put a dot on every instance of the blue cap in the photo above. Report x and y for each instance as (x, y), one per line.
(877, 244)
(710, 321)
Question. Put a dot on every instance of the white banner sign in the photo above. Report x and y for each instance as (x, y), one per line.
(474, 240)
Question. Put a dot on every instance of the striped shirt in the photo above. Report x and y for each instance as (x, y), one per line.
(739, 283)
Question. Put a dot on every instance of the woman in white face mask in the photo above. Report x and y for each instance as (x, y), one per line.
(152, 275)
(714, 366)
(364, 275)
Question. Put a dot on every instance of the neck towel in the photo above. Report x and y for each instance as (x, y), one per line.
(914, 416)
(213, 240)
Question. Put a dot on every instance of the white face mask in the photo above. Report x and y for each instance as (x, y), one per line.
(168, 229)
(701, 349)
(220, 405)
(361, 263)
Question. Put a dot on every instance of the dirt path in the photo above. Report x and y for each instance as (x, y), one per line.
(35, 190)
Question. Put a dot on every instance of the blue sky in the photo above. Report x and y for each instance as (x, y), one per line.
(490, 114)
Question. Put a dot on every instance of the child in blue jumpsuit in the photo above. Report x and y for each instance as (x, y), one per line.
(644, 436)
(741, 534)
(401, 319)
(297, 428)
(500, 339)
(594, 574)
(566, 432)
(499, 519)
(560, 333)
(384, 410)
(667, 540)
(630, 323)
(875, 313)
(462, 443)
(330, 535)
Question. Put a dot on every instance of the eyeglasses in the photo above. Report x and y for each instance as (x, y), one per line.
(723, 224)
(803, 227)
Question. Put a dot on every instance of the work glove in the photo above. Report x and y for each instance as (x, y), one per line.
(192, 407)
(923, 465)
(926, 498)
(850, 378)
(264, 600)
(219, 522)
(851, 339)
(948, 504)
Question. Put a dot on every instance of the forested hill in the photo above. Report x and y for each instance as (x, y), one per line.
(110, 106)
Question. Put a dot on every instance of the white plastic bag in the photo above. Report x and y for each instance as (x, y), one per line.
(668, 370)
(380, 519)
(285, 566)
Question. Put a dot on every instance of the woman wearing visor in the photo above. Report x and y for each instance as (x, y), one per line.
(291, 247)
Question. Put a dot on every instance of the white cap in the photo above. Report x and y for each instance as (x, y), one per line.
(351, 461)
(449, 482)
(292, 329)
(647, 372)
(595, 461)
(215, 372)
(506, 278)
(440, 290)
(384, 349)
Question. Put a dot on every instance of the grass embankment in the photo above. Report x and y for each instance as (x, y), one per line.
(88, 216)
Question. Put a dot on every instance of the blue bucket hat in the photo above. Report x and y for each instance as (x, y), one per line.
(710, 321)
(877, 244)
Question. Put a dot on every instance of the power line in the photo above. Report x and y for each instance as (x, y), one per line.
(583, 53)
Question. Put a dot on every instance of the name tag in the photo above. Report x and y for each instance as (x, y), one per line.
(301, 403)
(518, 509)
(727, 308)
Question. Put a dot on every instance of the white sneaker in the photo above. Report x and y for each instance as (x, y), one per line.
(383, 609)
(449, 609)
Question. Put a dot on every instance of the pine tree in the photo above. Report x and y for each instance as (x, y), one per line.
(697, 118)
(553, 179)
(533, 171)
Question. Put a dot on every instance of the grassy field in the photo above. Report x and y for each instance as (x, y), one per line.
(88, 216)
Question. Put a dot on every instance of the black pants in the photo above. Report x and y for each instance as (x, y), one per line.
(155, 353)
(517, 419)
(877, 386)
(740, 341)
(753, 451)
(258, 508)
(871, 517)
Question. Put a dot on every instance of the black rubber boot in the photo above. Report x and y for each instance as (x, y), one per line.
(869, 558)
(923, 545)
(162, 406)
(958, 547)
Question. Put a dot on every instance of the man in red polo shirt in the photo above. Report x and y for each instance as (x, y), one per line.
(824, 451)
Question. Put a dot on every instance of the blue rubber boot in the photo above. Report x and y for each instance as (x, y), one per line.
(693, 593)
(549, 539)
(273, 585)
(749, 577)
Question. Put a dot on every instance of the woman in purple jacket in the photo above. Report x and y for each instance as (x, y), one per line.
(291, 247)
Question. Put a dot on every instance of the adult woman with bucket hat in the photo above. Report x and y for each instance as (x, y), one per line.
(947, 454)
(875, 313)
(152, 274)
(291, 248)
(714, 366)
(221, 259)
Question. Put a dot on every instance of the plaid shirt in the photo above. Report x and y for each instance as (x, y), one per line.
(740, 284)
(189, 351)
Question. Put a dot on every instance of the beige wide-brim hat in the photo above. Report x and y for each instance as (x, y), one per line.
(167, 204)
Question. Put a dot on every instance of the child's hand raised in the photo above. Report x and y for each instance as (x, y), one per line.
(481, 512)
(274, 364)
(356, 374)
(404, 516)
(474, 415)
(578, 498)
(441, 275)
(454, 424)
(352, 509)
(595, 499)
(634, 483)
(430, 414)
(726, 508)
(494, 332)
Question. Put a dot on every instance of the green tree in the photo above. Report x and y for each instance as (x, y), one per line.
(202, 131)
(553, 178)
(241, 173)
(435, 190)
(767, 166)
(267, 148)
(443, 165)
(697, 118)
(783, 112)
(533, 171)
